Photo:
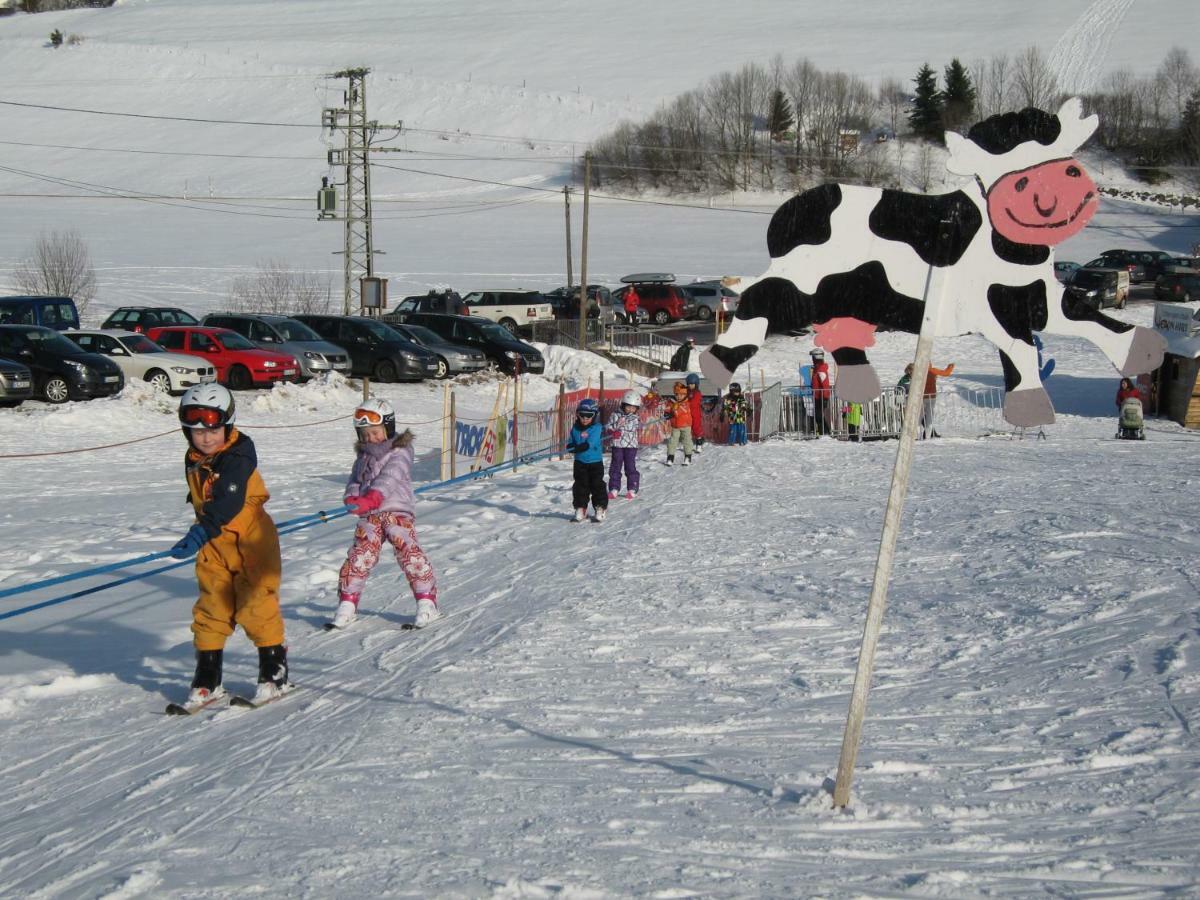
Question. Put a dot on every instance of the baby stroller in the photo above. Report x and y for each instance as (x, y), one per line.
(1130, 425)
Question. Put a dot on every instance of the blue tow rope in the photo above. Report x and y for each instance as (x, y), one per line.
(288, 527)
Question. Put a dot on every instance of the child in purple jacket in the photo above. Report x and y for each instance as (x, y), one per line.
(380, 493)
(625, 429)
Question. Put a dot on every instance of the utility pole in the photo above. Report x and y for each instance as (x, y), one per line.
(567, 213)
(583, 298)
(359, 247)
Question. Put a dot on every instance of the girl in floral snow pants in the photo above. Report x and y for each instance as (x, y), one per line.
(401, 533)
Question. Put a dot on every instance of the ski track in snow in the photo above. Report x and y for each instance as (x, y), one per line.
(1081, 55)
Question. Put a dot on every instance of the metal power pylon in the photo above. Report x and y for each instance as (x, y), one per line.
(352, 119)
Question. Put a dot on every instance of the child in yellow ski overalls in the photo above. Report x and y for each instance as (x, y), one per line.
(238, 567)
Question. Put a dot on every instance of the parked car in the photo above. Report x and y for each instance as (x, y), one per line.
(142, 318)
(1182, 285)
(239, 364)
(376, 350)
(452, 359)
(61, 370)
(712, 297)
(16, 382)
(139, 357)
(1185, 262)
(1064, 269)
(284, 334)
(1153, 262)
(1099, 288)
(58, 313)
(662, 299)
(1137, 271)
(496, 343)
(511, 310)
(448, 302)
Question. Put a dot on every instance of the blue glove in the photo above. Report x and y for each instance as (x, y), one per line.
(196, 538)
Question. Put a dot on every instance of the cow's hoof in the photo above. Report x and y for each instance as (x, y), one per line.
(1028, 409)
(858, 383)
(714, 370)
(1145, 352)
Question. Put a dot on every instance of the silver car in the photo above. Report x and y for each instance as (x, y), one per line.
(16, 383)
(284, 334)
(453, 359)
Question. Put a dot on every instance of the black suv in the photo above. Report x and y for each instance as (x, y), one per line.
(61, 370)
(142, 318)
(448, 302)
(375, 349)
(1143, 265)
(496, 343)
(1182, 285)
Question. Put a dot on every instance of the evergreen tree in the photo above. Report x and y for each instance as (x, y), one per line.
(926, 115)
(1189, 130)
(958, 97)
(781, 119)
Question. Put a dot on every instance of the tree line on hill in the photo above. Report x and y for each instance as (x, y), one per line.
(788, 127)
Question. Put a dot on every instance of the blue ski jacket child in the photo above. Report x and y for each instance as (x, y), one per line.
(585, 442)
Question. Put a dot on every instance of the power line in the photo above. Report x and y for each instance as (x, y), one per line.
(127, 115)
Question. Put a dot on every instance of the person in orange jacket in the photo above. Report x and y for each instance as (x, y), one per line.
(238, 566)
(822, 390)
(929, 395)
(679, 414)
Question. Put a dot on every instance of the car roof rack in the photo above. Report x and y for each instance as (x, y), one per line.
(648, 278)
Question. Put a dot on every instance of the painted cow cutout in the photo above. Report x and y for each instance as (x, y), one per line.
(849, 259)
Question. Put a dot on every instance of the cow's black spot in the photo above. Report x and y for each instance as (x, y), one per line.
(862, 293)
(939, 227)
(1001, 133)
(804, 219)
(1079, 311)
(849, 356)
(1011, 376)
(732, 358)
(1020, 254)
(1020, 310)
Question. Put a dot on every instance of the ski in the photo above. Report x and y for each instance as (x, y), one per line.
(248, 702)
(182, 709)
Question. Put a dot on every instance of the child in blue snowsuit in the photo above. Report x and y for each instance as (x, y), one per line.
(585, 442)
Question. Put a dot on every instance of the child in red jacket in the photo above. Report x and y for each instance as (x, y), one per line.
(695, 399)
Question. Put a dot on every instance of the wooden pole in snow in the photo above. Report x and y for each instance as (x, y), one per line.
(934, 291)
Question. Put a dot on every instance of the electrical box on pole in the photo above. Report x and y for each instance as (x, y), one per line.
(326, 201)
(372, 293)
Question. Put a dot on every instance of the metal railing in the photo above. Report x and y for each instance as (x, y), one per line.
(951, 412)
(565, 332)
(642, 343)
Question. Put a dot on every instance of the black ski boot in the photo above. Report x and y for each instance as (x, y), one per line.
(272, 672)
(206, 683)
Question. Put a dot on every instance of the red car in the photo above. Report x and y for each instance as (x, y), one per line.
(240, 365)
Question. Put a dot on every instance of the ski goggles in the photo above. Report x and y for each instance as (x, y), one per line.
(202, 417)
(364, 417)
(586, 415)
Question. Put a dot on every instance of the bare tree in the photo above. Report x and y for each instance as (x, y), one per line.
(1033, 80)
(923, 175)
(893, 96)
(277, 289)
(60, 266)
(1180, 78)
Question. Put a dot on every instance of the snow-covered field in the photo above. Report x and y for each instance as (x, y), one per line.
(648, 707)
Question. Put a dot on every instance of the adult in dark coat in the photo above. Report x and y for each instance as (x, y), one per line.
(682, 357)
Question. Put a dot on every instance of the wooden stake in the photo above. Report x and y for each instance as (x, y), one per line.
(934, 292)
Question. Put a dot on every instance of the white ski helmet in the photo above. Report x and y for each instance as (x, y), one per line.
(375, 412)
(632, 398)
(206, 406)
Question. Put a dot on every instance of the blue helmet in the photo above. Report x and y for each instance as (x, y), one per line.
(588, 407)
(693, 379)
